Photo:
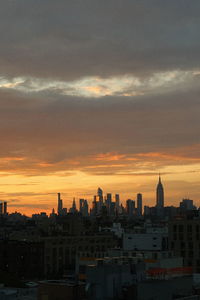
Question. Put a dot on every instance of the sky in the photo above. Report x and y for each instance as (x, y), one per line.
(98, 94)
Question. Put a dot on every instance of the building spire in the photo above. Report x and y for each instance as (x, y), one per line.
(159, 177)
(159, 194)
(74, 204)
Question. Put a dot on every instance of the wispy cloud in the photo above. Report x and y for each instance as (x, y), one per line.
(97, 87)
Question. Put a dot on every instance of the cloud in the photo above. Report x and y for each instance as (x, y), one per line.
(71, 40)
(98, 87)
(29, 205)
(41, 134)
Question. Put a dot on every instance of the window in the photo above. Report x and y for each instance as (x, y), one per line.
(182, 253)
(155, 255)
(189, 263)
(198, 262)
(182, 244)
(190, 245)
(180, 236)
(191, 254)
(180, 228)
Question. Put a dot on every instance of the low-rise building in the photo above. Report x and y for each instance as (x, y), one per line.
(184, 241)
(60, 252)
(145, 241)
(61, 290)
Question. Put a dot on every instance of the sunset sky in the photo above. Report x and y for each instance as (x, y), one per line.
(98, 94)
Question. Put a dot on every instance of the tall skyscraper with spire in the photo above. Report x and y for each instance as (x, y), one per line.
(159, 194)
(60, 205)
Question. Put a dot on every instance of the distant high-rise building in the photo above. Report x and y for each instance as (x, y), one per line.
(117, 200)
(100, 192)
(112, 209)
(60, 205)
(52, 213)
(74, 204)
(109, 198)
(81, 203)
(5, 208)
(94, 209)
(1, 208)
(108, 202)
(146, 210)
(73, 209)
(159, 194)
(139, 204)
(130, 207)
(64, 211)
(99, 200)
(83, 207)
(186, 204)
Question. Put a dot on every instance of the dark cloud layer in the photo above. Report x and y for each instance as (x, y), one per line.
(69, 133)
(72, 39)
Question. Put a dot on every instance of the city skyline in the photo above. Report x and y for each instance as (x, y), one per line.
(111, 203)
(98, 93)
(61, 202)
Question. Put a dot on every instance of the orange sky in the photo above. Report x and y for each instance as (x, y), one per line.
(114, 173)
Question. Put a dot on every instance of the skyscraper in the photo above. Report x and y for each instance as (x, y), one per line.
(117, 200)
(99, 199)
(108, 202)
(74, 205)
(139, 204)
(83, 207)
(130, 207)
(100, 192)
(5, 208)
(60, 205)
(94, 209)
(159, 194)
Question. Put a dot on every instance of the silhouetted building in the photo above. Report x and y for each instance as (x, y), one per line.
(160, 194)
(108, 201)
(130, 207)
(184, 240)
(100, 193)
(186, 204)
(94, 209)
(139, 204)
(61, 252)
(61, 290)
(73, 209)
(83, 207)
(159, 198)
(60, 205)
(24, 259)
(117, 202)
(107, 279)
(5, 208)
